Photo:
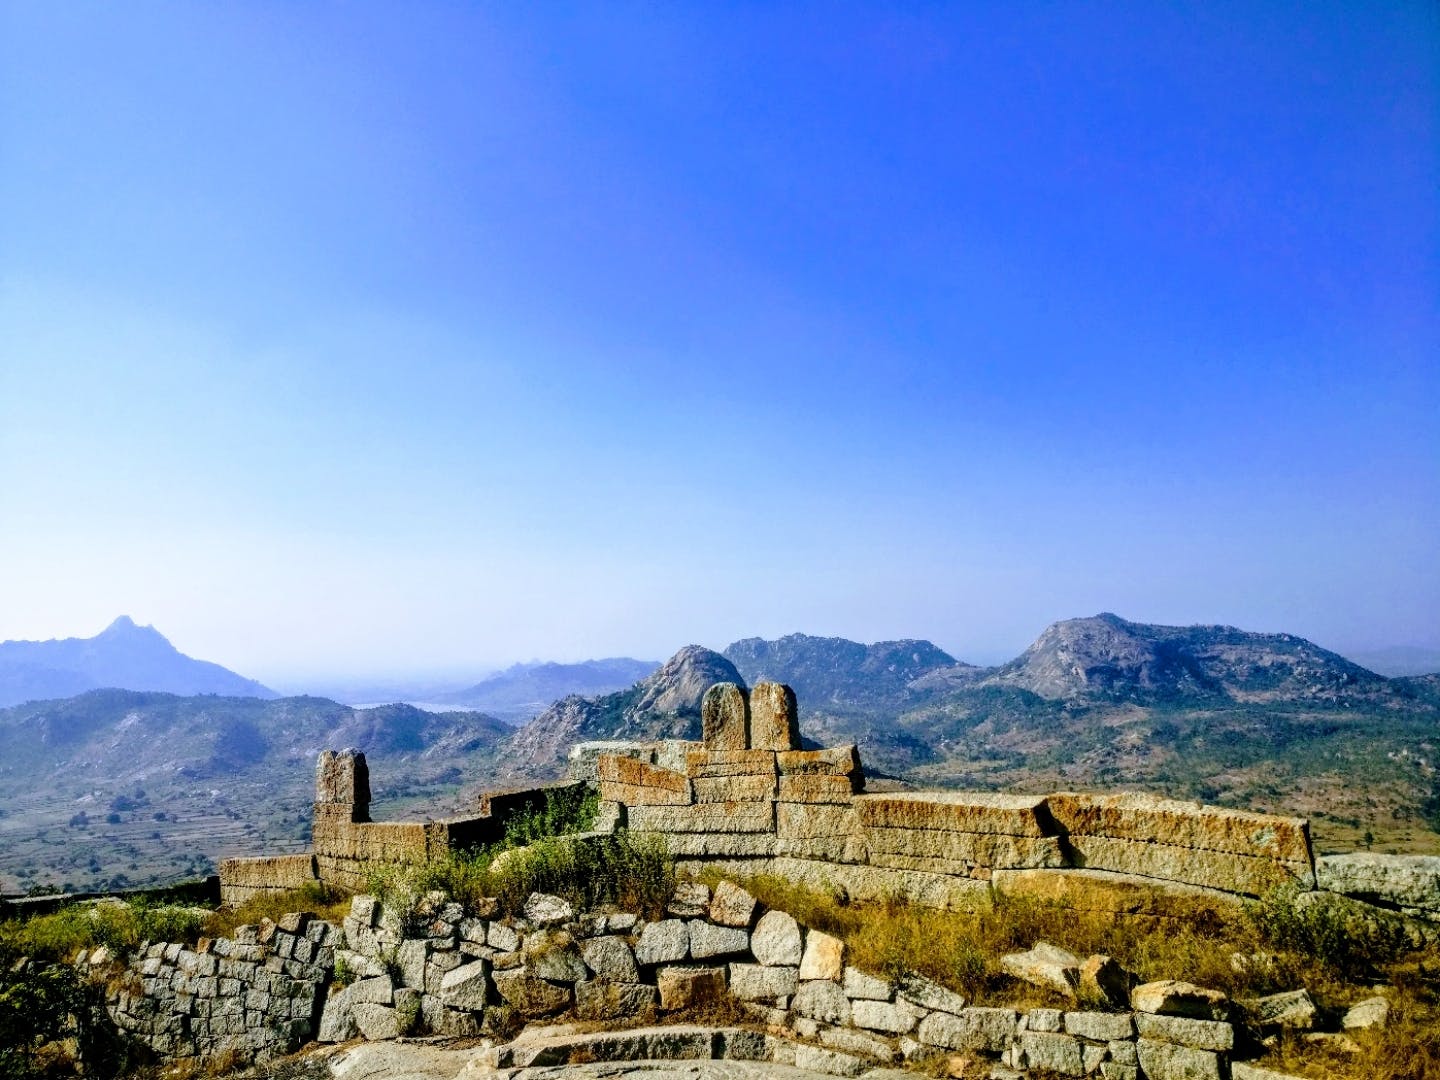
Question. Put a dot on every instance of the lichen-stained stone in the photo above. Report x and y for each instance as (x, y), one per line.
(553, 956)
(530, 996)
(1058, 1053)
(465, 987)
(1046, 965)
(730, 788)
(1186, 1031)
(1155, 820)
(995, 850)
(776, 940)
(639, 783)
(757, 982)
(1405, 881)
(708, 940)
(831, 761)
(602, 1000)
(376, 1021)
(1222, 870)
(1100, 1026)
(702, 845)
(816, 788)
(681, 987)
(690, 900)
(708, 764)
(808, 820)
(893, 1018)
(663, 942)
(733, 817)
(724, 718)
(1170, 997)
(985, 1029)
(1293, 1009)
(1373, 1012)
(342, 777)
(774, 717)
(610, 958)
(543, 909)
(730, 905)
(824, 957)
(822, 1000)
(861, 985)
(956, 811)
(924, 993)
(1166, 1061)
(337, 1022)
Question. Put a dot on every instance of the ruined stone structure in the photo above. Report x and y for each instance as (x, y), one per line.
(746, 799)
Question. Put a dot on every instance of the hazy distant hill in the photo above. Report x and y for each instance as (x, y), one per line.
(150, 785)
(1400, 660)
(123, 655)
(665, 704)
(524, 690)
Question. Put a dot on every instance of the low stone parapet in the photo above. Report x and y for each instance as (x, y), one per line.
(245, 879)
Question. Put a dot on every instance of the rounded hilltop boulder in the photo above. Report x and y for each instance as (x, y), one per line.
(663, 705)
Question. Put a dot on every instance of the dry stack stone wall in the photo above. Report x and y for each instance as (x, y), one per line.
(751, 800)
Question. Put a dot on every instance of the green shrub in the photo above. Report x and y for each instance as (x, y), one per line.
(1351, 943)
(564, 810)
(119, 926)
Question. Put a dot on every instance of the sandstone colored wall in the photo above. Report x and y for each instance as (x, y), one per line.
(244, 879)
(749, 800)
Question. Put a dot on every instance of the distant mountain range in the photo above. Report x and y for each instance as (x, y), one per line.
(525, 690)
(1266, 721)
(123, 656)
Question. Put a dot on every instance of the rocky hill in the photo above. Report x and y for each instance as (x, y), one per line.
(525, 690)
(146, 785)
(1110, 657)
(663, 705)
(124, 656)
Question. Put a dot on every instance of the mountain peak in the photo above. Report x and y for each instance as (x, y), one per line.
(125, 626)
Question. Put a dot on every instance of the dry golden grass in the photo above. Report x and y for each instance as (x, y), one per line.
(1193, 941)
(329, 904)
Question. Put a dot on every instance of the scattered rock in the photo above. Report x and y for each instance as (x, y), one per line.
(1103, 980)
(1292, 1010)
(1171, 997)
(1047, 966)
(1373, 1012)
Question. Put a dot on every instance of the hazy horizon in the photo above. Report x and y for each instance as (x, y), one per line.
(346, 342)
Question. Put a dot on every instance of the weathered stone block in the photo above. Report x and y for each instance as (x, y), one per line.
(531, 997)
(601, 1000)
(1404, 881)
(990, 1030)
(724, 717)
(1045, 965)
(822, 1000)
(730, 905)
(1186, 1031)
(376, 1021)
(663, 942)
(1099, 1026)
(831, 761)
(708, 940)
(1222, 870)
(552, 955)
(1293, 1010)
(776, 940)
(893, 1018)
(774, 717)
(702, 845)
(924, 993)
(968, 849)
(732, 788)
(610, 959)
(824, 957)
(1166, 1061)
(341, 776)
(681, 987)
(860, 985)
(814, 788)
(1058, 1053)
(757, 982)
(1151, 819)
(732, 817)
(638, 783)
(711, 764)
(956, 811)
(1170, 997)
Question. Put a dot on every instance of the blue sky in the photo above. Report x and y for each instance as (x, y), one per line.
(355, 338)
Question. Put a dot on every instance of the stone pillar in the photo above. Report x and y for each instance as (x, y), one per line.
(342, 786)
(724, 716)
(774, 717)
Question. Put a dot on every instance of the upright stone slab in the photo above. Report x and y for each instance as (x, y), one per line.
(342, 784)
(724, 718)
(774, 717)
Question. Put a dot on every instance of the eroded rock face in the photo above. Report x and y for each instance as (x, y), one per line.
(725, 718)
(774, 717)
(1403, 881)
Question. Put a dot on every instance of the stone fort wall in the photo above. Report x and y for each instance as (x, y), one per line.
(747, 799)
